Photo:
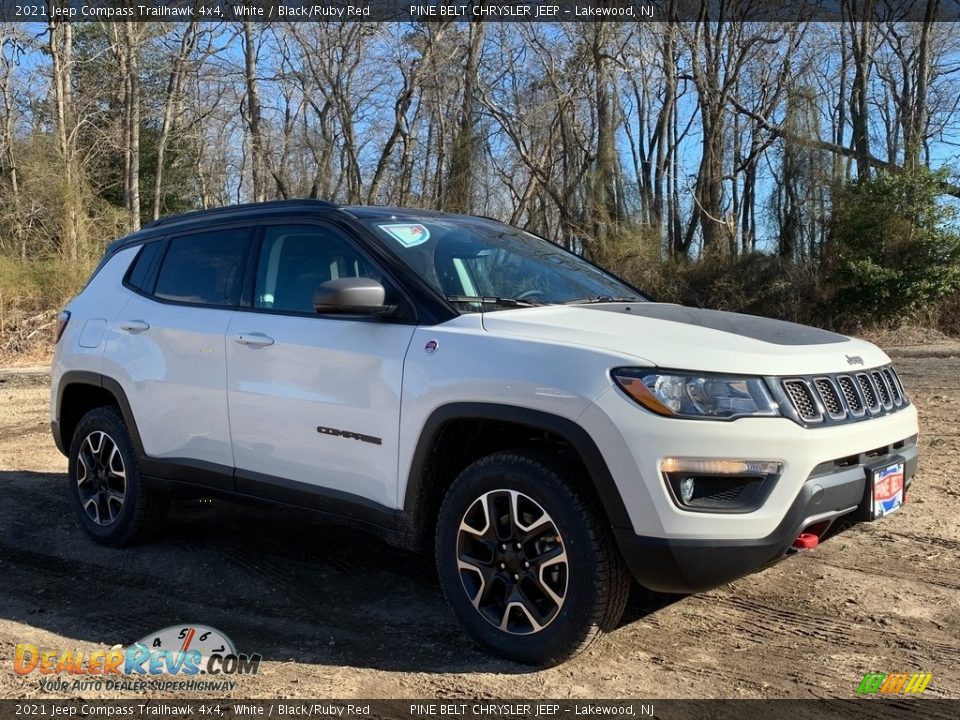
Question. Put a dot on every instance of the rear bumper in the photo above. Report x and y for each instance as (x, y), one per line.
(693, 565)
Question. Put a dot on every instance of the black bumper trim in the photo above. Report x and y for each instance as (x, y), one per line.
(689, 566)
(58, 437)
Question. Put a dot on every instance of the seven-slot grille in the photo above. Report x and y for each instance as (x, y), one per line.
(844, 397)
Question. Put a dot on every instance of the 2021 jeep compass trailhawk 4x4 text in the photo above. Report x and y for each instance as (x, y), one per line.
(454, 382)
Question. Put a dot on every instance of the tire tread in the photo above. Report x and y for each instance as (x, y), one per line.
(612, 578)
(149, 508)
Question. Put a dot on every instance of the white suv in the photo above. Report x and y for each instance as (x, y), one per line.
(454, 382)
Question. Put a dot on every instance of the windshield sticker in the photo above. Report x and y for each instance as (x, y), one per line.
(407, 235)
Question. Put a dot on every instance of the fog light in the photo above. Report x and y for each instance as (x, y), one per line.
(719, 484)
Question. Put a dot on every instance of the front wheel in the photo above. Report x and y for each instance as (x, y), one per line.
(526, 559)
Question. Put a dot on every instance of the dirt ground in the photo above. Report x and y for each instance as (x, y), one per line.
(338, 615)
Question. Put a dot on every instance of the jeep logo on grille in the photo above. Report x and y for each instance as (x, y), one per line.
(854, 360)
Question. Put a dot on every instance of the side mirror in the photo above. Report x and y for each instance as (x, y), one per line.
(351, 296)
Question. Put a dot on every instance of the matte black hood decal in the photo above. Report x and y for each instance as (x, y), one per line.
(777, 332)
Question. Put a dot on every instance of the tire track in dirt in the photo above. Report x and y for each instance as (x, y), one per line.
(947, 543)
(778, 621)
(892, 572)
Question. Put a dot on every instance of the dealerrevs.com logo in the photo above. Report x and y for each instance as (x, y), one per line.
(182, 651)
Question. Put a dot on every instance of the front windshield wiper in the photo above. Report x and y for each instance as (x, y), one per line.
(509, 302)
(602, 299)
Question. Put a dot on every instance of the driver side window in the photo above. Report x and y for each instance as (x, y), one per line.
(295, 259)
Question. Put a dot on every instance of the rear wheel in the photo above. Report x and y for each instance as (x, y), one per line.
(526, 559)
(114, 505)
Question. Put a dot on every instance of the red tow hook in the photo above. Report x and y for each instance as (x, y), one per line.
(805, 541)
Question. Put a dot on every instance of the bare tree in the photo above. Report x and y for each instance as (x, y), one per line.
(127, 50)
(456, 196)
(252, 112)
(863, 36)
(12, 47)
(173, 98)
(60, 46)
(718, 54)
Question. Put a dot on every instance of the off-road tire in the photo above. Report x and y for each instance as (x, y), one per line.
(143, 508)
(597, 581)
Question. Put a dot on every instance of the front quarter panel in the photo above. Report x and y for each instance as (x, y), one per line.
(459, 362)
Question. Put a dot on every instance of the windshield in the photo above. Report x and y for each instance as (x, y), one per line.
(481, 264)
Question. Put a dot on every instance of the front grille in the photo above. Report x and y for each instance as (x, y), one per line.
(869, 394)
(831, 401)
(883, 392)
(802, 400)
(850, 396)
(890, 376)
(840, 398)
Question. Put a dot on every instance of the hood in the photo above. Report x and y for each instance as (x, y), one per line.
(682, 338)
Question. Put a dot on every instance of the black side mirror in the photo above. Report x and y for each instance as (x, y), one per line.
(351, 296)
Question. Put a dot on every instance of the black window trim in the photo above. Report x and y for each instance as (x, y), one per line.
(151, 276)
(409, 311)
(199, 230)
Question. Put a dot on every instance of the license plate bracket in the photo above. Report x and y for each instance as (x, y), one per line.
(885, 487)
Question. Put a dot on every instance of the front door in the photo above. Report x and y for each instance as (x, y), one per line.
(314, 400)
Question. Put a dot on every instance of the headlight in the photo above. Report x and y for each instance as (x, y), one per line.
(696, 395)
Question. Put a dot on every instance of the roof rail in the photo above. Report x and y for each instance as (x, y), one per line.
(226, 209)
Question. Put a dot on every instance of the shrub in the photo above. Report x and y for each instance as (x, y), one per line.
(894, 250)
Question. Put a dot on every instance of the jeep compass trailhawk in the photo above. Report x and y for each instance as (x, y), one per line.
(454, 382)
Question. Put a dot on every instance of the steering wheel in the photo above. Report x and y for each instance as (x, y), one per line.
(529, 294)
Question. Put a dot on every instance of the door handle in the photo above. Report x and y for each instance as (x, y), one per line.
(253, 339)
(134, 326)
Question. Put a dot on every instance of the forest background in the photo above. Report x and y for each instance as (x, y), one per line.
(800, 170)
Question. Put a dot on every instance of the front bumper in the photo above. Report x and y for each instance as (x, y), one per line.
(832, 491)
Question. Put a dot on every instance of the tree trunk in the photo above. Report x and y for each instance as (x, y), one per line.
(253, 114)
(605, 205)
(10, 156)
(661, 136)
(61, 54)
(862, 39)
(132, 82)
(171, 101)
(457, 195)
(916, 121)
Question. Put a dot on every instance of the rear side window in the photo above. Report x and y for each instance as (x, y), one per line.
(203, 268)
(141, 271)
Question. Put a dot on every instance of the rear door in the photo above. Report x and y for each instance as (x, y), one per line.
(166, 347)
(314, 400)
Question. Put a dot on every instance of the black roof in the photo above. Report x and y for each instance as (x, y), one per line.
(379, 211)
(247, 210)
(242, 209)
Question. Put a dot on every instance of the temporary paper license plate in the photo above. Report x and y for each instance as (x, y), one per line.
(887, 489)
